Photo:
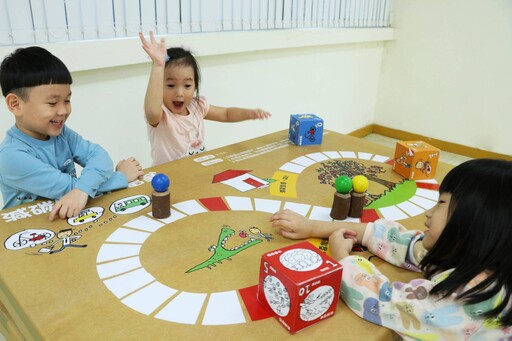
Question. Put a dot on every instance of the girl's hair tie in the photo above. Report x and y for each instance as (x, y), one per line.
(167, 58)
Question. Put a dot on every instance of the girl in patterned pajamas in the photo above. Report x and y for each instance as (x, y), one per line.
(464, 254)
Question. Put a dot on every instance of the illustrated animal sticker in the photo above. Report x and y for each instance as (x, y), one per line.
(317, 303)
(276, 295)
(301, 260)
(220, 252)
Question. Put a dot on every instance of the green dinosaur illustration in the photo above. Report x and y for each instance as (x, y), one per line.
(221, 253)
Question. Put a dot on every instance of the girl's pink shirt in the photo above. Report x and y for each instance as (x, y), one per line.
(178, 136)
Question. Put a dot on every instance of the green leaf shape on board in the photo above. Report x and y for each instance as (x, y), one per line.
(401, 192)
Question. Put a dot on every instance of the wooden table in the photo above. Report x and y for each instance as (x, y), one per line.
(131, 277)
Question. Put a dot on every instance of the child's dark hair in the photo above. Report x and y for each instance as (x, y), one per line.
(181, 57)
(29, 67)
(477, 236)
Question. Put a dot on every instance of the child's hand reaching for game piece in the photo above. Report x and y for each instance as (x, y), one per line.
(291, 225)
(131, 168)
(341, 243)
(69, 205)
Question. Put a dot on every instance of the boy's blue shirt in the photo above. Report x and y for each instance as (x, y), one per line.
(31, 169)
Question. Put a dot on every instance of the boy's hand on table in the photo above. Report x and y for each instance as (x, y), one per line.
(69, 205)
(131, 168)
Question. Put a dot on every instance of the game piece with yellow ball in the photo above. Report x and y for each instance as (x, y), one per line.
(161, 197)
(341, 202)
(358, 196)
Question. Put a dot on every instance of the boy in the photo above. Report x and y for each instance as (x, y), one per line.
(38, 154)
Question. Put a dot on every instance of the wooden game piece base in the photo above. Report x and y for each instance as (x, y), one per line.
(161, 204)
(340, 206)
(357, 204)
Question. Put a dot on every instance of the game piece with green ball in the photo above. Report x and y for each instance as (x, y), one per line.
(161, 197)
(358, 196)
(341, 202)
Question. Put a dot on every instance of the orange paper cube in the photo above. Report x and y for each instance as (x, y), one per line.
(416, 160)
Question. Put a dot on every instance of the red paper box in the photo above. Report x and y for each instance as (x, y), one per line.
(416, 160)
(299, 285)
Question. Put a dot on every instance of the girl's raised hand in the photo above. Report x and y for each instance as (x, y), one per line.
(155, 50)
(259, 114)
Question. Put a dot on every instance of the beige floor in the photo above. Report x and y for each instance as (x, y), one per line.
(446, 157)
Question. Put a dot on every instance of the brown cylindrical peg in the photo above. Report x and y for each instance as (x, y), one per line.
(357, 204)
(161, 204)
(340, 206)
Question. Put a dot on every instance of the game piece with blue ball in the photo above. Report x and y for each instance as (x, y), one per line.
(161, 197)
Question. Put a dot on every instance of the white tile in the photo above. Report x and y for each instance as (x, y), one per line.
(149, 298)
(223, 308)
(184, 308)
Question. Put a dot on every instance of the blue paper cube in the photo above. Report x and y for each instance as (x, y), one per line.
(306, 129)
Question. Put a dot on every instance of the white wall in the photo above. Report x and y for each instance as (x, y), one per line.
(338, 83)
(331, 73)
(448, 72)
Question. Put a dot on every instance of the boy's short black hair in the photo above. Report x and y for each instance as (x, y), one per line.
(29, 67)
